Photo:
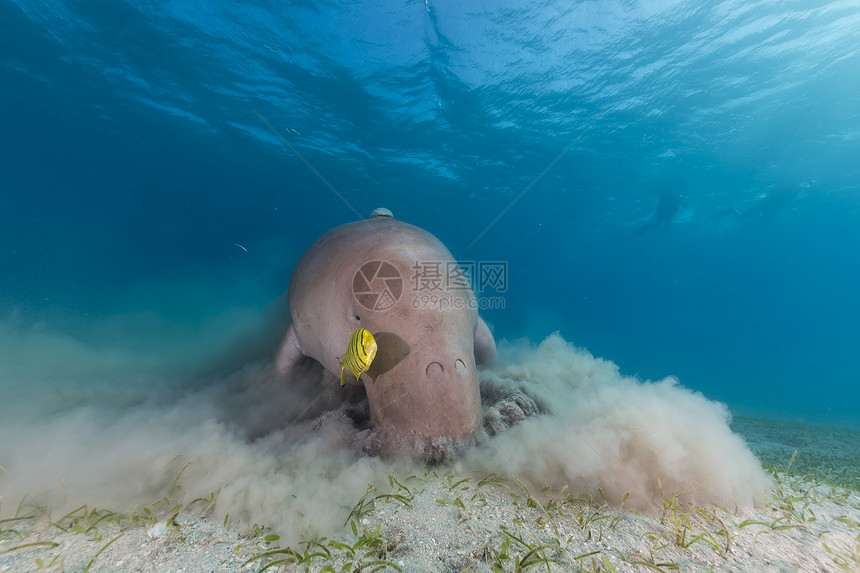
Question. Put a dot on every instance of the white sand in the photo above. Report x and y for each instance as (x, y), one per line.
(451, 526)
(284, 456)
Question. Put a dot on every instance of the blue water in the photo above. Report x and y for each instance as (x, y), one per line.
(682, 177)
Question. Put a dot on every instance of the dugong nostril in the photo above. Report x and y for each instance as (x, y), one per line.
(435, 370)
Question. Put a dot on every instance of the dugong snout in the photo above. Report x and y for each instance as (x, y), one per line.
(442, 398)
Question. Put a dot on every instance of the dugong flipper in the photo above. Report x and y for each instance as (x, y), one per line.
(401, 284)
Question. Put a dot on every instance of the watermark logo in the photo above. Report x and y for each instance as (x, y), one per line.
(377, 285)
(492, 275)
(441, 302)
(479, 276)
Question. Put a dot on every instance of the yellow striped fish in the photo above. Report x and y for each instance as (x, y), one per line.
(359, 354)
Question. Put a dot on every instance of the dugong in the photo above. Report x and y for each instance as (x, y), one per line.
(400, 283)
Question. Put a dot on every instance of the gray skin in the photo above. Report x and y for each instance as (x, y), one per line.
(423, 383)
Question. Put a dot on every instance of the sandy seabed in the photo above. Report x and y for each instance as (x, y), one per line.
(579, 468)
(439, 520)
(442, 522)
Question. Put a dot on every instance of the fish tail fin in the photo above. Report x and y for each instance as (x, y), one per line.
(342, 373)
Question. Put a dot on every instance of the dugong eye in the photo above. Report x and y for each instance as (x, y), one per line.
(357, 317)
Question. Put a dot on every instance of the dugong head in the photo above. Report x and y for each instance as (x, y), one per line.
(401, 284)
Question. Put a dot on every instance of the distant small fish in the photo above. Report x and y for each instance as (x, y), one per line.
(359, 354)
(241, 247)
